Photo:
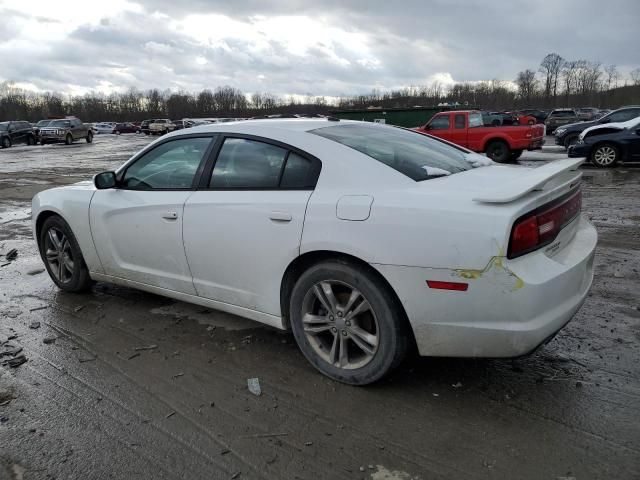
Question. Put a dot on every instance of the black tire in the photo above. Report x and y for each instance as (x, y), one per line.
(498, 151)
(68, 140)
(89, 137)
(6, 142)
(570, 140)
(146, 133)
(42, 142)
(515, 155)
(385, 318)
(31, 140)
(605, 155)
(79, 280)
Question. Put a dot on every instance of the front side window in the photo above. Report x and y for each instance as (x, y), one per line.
(171, 165)
(247, 164)
(623, 116)
(459, 121)
(440, 123)
(417, 156)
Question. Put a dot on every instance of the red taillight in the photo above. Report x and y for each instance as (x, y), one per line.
(457, 286)
(541, 227)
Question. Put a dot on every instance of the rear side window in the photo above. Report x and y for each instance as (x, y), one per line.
(417, 156)
(440, 123)
(624, 115)
(299, 172)
(247, 164)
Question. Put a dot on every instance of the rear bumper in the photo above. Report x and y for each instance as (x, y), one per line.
(510, 307)
(536, 144)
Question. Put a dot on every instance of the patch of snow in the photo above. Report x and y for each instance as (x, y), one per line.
(477, 160)
(435, 171)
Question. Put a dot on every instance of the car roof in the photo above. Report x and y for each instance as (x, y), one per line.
(287, 124)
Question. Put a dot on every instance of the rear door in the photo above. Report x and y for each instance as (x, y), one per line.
(243, 227)
(137, 228)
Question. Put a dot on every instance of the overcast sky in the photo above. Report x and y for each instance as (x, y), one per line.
(317, 47)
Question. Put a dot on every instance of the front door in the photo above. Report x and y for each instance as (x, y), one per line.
(244, 228)
(137, 227)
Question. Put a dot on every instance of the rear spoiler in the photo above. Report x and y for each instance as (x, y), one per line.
(530, 181)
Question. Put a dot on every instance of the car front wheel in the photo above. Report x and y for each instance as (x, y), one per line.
(62, 257)
(68, 140)
(89, 137)
(605, 156)
(347, 323)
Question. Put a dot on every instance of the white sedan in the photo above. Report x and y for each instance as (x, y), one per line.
(366, 240)
(105, 127)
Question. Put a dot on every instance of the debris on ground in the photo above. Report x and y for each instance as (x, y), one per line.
(38, 308)
(11, 255)
(49, 340)
(34, 325)
(180, 374)
(35, 271)
(133, 355)
(254, 386)
(78, 308)
(457, 385)
(171, 414)
(14, 362)
(148, 347)
(87, 359)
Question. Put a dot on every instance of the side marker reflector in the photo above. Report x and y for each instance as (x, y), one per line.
(458, 287)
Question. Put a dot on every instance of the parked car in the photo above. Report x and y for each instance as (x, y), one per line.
(467, 129)
(65, 130)
(559, 117)
(539, 115)
(161, 126)
(104, 127)
(144, 126)
(15, 132)
(181, 124)
(587, 114)
(125, 128)
(568, 135)
(39, 125)
(487, 260)
(606, 145)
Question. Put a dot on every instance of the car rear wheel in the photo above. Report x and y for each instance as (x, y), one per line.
(62, 257)
(515, 155)
(6, 142)
(347, 323)
(498, 151)
(89, 137)
(570, 140)
(605, 156)
(68, 140)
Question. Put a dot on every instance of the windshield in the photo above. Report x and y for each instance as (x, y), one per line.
(60, 123)
(43, 123)
(415, 155)
(4, 126)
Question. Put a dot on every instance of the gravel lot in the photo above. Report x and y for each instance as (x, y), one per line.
(125, 384)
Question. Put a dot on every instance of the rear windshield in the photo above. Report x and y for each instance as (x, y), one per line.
(562, 113)
(417, 156)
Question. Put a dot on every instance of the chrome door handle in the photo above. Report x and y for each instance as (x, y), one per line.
(170, 215)
(280, 216)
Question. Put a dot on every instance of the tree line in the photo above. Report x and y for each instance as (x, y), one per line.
(556, 83)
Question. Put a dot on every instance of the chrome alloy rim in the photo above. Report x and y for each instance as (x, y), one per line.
(58, 254)
(605, 155)
(340, 324)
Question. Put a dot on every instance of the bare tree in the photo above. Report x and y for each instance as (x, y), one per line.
(612, 77)
(550, 67)
(527, 85)
(635, 76)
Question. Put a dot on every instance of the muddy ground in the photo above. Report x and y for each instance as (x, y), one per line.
(123, 384)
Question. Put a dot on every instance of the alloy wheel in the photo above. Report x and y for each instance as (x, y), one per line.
(59, 256)
(340, 324)
(605, 155)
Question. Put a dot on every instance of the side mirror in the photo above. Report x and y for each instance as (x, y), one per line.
(105, 180)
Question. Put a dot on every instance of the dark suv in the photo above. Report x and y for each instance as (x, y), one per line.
(16, 132)
(567, 135)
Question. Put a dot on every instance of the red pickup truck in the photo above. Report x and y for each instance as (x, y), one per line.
(501, 143)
